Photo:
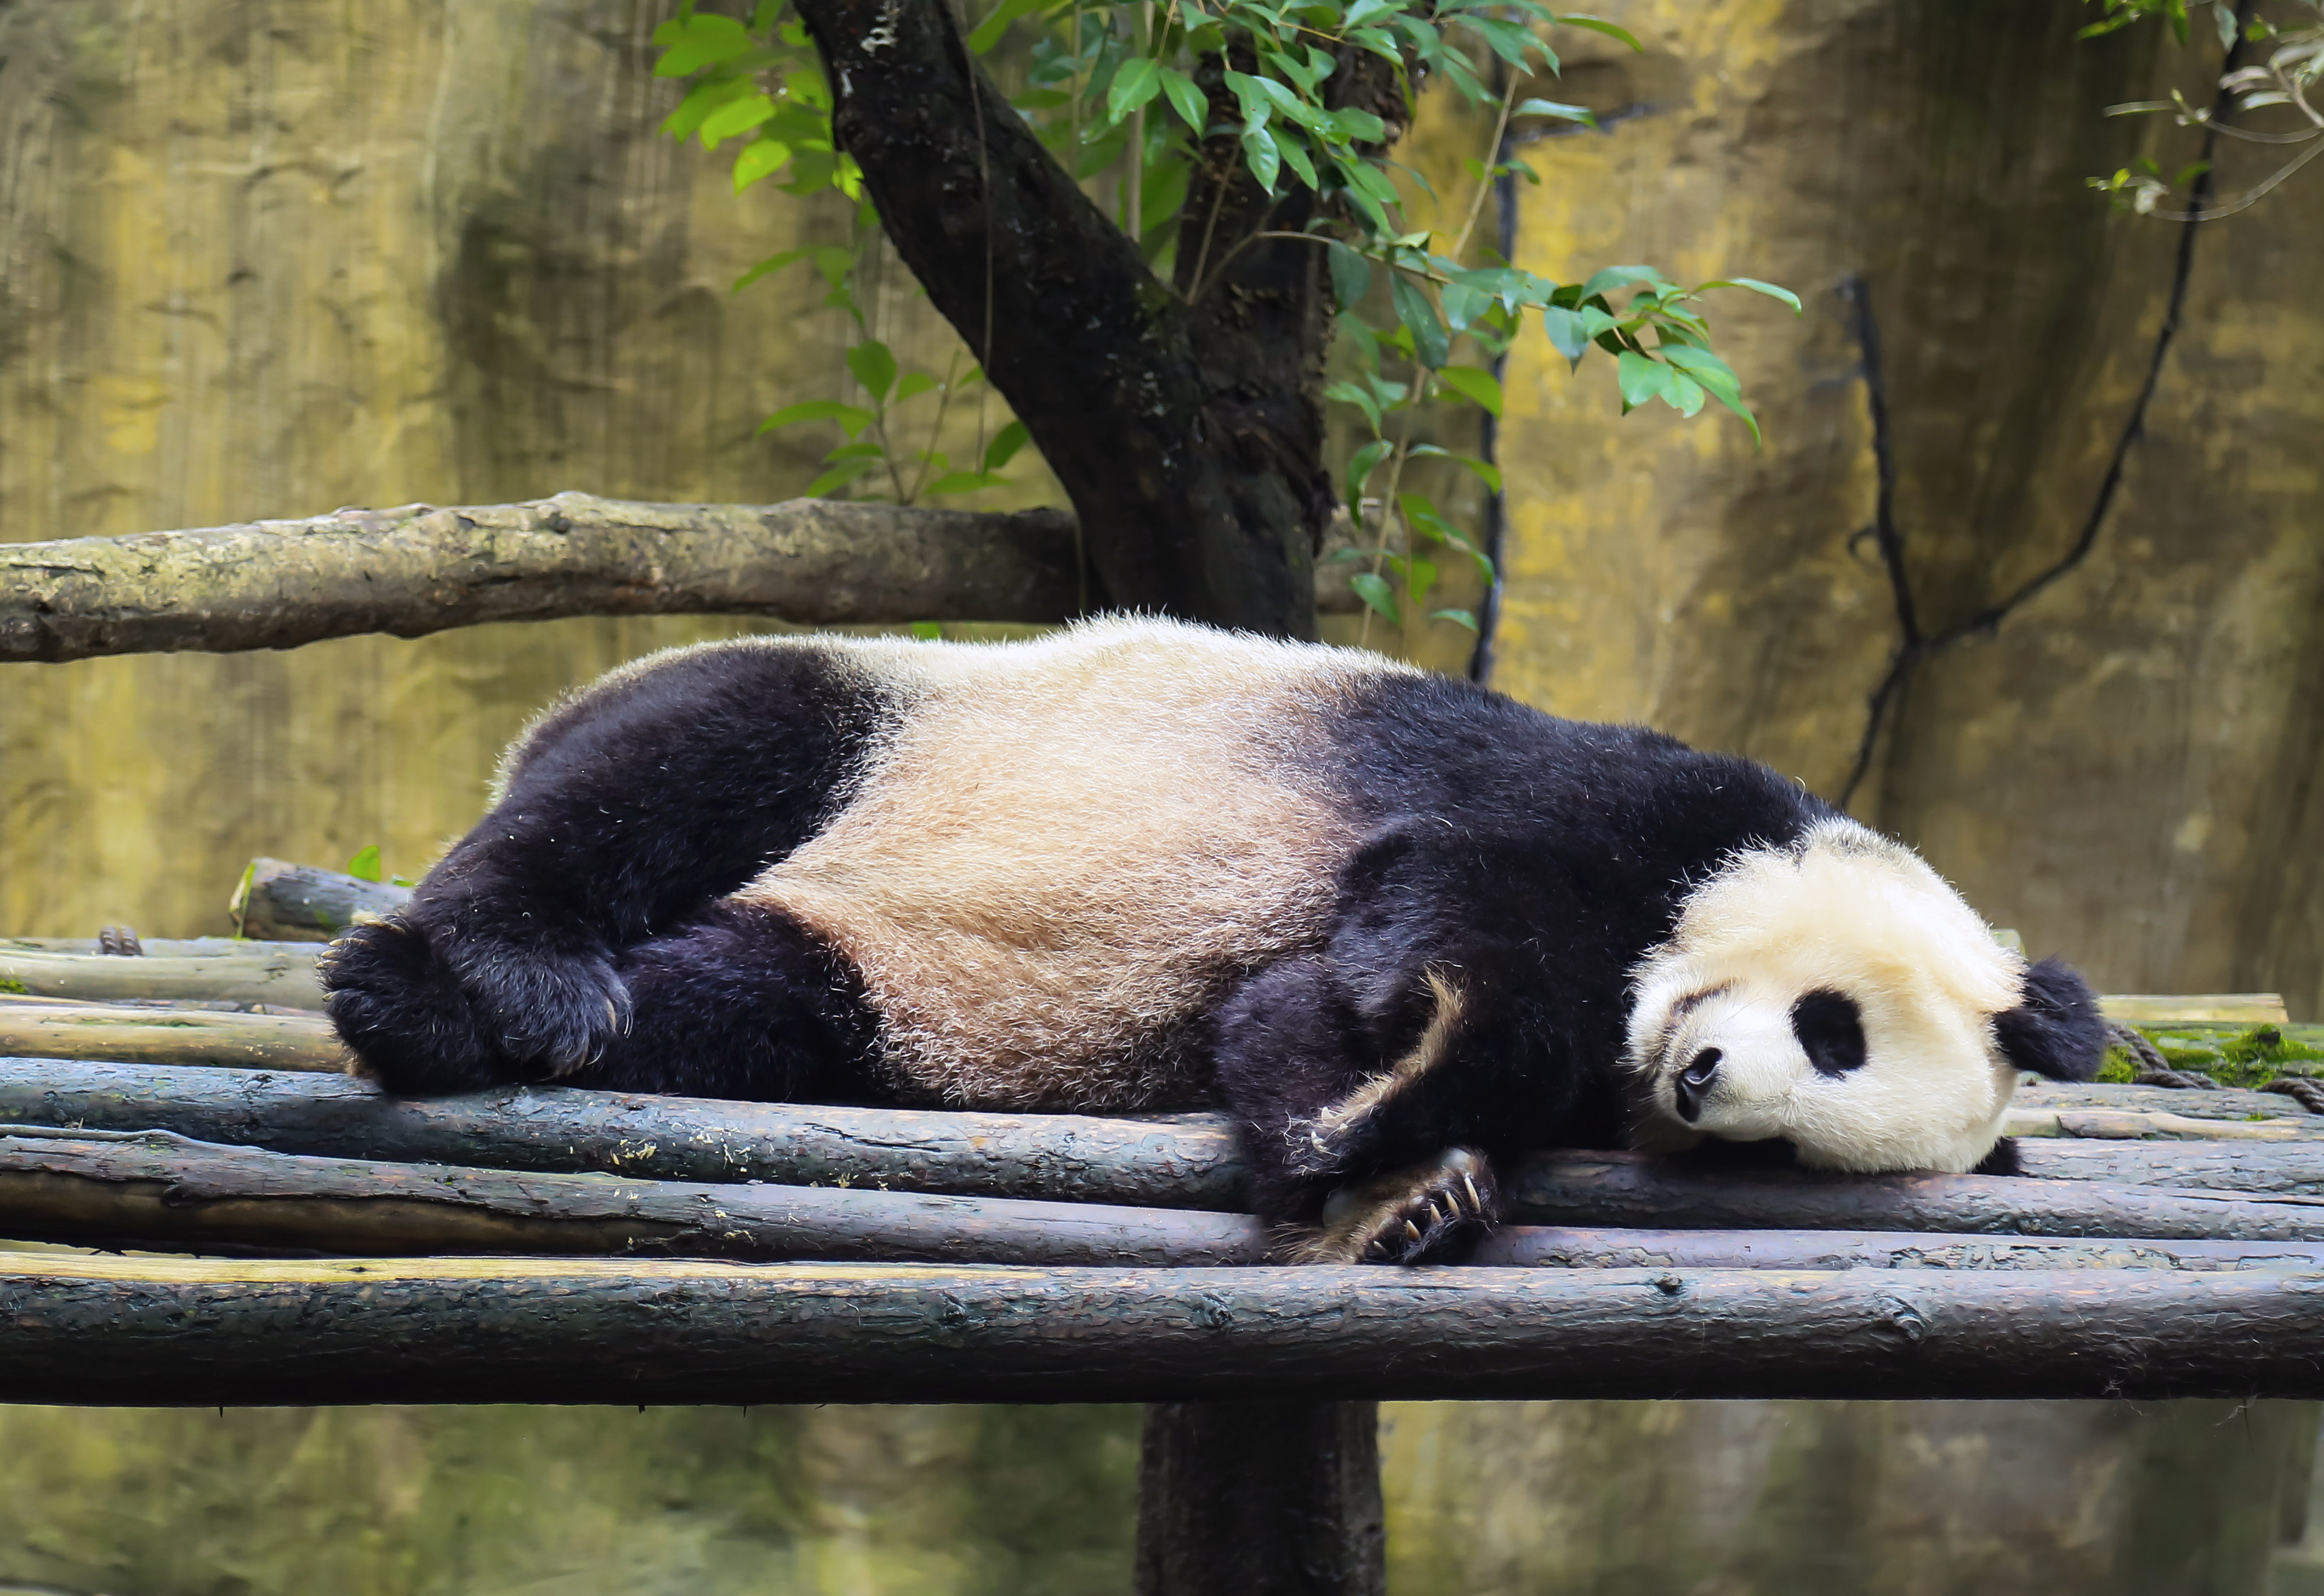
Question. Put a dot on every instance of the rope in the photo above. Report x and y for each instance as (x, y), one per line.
(2153, 1069)
(2308, 1094)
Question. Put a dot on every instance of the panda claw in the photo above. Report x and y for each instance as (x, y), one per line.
(1412, 1229)
(1476, 1202)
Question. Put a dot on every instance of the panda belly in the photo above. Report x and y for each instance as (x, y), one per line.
(1062, 854)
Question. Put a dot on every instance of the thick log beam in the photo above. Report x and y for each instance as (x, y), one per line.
(302, 903)
(203, 1331)
(154, 1190)
(416, 569)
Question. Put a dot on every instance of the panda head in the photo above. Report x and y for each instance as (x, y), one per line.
(1837, 994)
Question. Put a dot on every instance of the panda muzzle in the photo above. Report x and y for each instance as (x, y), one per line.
(1692, 1083)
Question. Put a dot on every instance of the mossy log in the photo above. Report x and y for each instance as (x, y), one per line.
(416, 569)
(1059, 1158)
(170, 1331)
(31, 1028)
(270, 973)
(302, 903)
(155, 1190)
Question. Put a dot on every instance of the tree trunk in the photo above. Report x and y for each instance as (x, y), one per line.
(1189, 437)
(1269, 1498)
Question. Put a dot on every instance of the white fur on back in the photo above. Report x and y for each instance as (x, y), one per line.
(1067, 845)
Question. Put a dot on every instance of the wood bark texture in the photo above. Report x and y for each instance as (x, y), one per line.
(1055, 1158)
(1189, 436)
(1546, 1247)
(1260, 1499)
(1626, 1189)
(1192, 1161)
(416, 568)
(156, 1190)
(163, 1332)
(32, 1029)
(269, 973)
(301, 903)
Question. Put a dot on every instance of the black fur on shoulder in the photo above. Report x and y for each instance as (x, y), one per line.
(2057, 1031)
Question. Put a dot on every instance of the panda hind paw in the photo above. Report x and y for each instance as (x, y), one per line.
(1427, 1213)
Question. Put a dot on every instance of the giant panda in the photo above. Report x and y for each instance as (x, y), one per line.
(1399, 926)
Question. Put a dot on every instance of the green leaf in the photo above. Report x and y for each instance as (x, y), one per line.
(760, 158)
(840, 475)
(1640, 378)
(1351, 274)
(774, 263)
(735, 116)
(1486, 471)
(1599, 24)
(988, 31)
(1430, 345)
(1756, 287)
(1139, 81)
(699, 42)
(1618, 277)
(1005, 444)
(1563, 112)
(1703, 366)
(1686, 394)
(851, 417)
(1360, 466)
(875, 367)
(1566, 333)
(1463, 304)
(1348, 393)
(364, 865)
(1419, 577)
(1735, 402)
(1463, 617)
(1374, 591)
(1187, 99)
(928, 632)
(1294, 156)
(914, 384)
(1475, 384)
(1258, 149)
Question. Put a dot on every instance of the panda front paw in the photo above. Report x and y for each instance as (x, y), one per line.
(423, 1018)
(400, 1010)
(1423, 1215)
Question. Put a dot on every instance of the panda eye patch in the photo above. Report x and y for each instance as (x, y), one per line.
(1832, 1031)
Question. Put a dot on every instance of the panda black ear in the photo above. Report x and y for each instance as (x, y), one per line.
(2057, 1031)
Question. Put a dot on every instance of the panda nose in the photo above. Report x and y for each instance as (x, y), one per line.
(1693, 1083)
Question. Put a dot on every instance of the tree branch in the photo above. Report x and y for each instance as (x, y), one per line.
(416, 570)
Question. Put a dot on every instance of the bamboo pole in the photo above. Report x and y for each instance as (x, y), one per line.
(185, 1036)
(203, 1331)
(266, 974)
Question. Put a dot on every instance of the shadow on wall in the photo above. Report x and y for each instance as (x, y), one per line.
(1707, 1499)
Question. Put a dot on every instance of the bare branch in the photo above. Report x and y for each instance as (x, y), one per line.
(416, 570)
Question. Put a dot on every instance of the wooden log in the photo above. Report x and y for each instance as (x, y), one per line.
(155, 1190)
(191, 1037)
(170, 1332)
(2035, 1110)
(1547, 1247)
(1185, 1162)
(416, 569)
(2239, 1008)
(304, 903)
(264, 976)
(1628, 1190)
(1061, 1157)
(166, 947)
(2291, 1168)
